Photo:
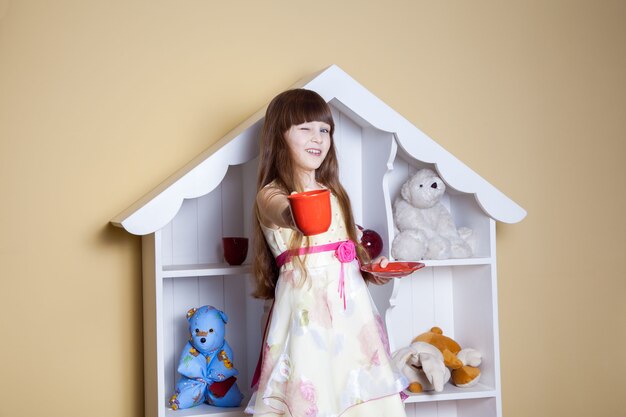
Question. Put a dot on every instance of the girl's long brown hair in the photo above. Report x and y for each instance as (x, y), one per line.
(293, 107)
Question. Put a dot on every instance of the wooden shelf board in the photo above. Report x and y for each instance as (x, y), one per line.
(456, 262)
(451, 393)
(198, 270)
(205, 410)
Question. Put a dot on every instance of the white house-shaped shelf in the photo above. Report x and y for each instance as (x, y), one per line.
(183, 220)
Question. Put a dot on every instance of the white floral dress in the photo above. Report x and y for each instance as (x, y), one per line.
(326, 351)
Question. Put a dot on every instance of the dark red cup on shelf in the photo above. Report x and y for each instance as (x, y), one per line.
(235, 249)
(311, 211)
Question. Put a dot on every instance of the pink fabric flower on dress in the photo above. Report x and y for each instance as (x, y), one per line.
(284, 369)
(346, 252)
(312, 411)
(301, 398)
(307, 391)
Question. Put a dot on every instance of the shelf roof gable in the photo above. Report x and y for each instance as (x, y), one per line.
(202, 174)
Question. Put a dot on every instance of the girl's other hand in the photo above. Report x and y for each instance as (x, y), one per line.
(383, 262)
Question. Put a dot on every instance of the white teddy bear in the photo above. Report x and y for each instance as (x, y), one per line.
(424, 227)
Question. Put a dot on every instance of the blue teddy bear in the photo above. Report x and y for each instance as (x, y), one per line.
(206, 367)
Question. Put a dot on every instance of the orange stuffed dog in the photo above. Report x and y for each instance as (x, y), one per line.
(462, 363)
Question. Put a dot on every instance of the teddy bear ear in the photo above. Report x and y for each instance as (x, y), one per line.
(405, 191)
(223, 316)
(191, 312)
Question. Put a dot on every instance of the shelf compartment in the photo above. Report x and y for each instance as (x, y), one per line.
(194, 236)
(243, 331)
(205, 270)
(459, 300)
(463, 207)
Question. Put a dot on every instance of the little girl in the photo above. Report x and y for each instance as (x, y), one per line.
(325, 351)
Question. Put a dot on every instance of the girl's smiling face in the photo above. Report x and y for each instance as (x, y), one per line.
(309, 143)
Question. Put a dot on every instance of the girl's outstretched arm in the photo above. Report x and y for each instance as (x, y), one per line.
(274, 208)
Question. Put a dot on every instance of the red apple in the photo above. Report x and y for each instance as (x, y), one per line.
(372, 242)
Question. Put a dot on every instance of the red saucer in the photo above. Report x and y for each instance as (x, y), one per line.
(393, 269)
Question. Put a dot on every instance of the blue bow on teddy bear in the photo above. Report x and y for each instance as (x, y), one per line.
(206, 367)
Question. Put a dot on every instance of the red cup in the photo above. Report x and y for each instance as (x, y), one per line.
(235, 249)
(311, 211)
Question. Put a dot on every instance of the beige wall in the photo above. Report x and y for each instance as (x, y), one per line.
(101, 100)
